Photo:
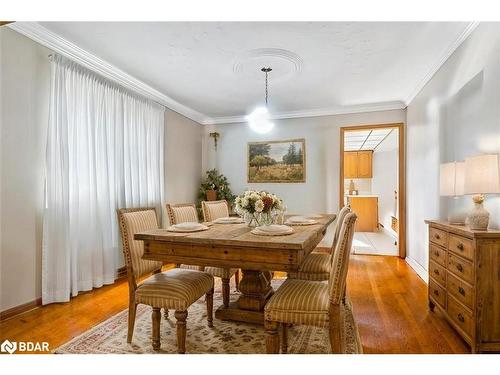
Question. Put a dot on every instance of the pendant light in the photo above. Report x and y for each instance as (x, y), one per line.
(260, 119)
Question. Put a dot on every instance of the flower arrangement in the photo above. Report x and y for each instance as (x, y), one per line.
(258, 207)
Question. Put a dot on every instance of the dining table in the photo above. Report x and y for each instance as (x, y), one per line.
(235, 246)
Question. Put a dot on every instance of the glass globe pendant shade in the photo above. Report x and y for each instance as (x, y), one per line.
(260, 121)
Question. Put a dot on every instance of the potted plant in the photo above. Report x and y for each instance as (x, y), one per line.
(215, 186)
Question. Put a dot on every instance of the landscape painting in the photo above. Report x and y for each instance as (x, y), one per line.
(277, 161)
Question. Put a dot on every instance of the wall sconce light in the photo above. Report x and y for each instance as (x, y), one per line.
(215, 136)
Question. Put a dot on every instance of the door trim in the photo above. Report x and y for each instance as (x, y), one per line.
(401, 175)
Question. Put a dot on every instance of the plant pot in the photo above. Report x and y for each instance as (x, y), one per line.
(211, 195)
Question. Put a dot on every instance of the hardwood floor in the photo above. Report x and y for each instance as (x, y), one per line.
(389, 301)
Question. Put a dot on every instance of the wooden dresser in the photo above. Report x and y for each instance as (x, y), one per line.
(464, 282)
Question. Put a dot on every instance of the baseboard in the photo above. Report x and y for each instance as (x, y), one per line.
(421, 271)
(16, 310)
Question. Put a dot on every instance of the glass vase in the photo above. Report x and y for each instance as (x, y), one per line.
(258, 219)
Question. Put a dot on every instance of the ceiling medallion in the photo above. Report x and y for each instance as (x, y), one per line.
(287, 63)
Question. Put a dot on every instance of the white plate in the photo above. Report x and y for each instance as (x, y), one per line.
(312, 216)
(300, 220)
(228, 220)
(180, 228)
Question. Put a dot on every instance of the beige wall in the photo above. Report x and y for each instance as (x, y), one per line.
(25, 95)
(183, 149)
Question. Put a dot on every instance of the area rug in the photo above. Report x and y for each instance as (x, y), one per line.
(225, 337)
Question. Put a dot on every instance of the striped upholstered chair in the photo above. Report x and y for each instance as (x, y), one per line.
(214, 209)
(181, 213)
(317, 266)
(311, 302)
(175, 289)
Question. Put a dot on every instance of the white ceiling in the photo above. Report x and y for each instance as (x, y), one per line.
(213, 68)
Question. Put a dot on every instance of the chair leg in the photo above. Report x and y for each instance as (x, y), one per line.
(165, 313)
(132, 308)
(272, 337)
(335, 330)
(181, 317)
(156, 318)
(225, 292)
(284, 338)
(237, 280)
(210, 307)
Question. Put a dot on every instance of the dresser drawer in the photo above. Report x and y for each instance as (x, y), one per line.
(461, 246)
(437, 254)
(438, 273)
(437, 293)
(459, 289)
(438, 236)
(460, 316)
(461, 267)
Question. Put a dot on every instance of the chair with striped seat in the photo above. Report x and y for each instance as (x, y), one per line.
(317, 266)
(310, 302)
(186, 212)
(175, 289)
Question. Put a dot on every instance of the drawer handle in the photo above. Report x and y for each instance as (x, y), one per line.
(461, 317)
(436, 253)
(461, 291)
(436, 292)
(437, 236)
(460, 246)
(460, 268)
(436, 272)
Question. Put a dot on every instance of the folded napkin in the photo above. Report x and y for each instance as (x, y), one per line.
(228, 219)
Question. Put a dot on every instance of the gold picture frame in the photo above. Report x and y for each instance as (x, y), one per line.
(277, 161)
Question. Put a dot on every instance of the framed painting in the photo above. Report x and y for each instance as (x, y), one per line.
(277, 161)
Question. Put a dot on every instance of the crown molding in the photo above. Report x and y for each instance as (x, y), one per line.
(452, 48)
(373, 107)
(56, 43)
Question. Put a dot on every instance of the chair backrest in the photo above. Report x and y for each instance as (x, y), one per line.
(338, 273)
(214, 209)
(340, 219)
(181, 213)
(132, 221)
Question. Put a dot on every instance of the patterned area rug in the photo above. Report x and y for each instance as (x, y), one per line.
(224, 338)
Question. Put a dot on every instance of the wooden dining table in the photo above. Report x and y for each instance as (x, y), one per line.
(234, 246)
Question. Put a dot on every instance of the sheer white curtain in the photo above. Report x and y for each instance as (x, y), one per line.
(105, 150)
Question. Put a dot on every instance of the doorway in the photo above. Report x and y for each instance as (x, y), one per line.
(372, 181)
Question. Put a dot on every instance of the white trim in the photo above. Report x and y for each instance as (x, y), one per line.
(421, 271)
(42, 35)
(434, 69)
(373, 107)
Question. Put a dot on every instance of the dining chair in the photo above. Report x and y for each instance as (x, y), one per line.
(186, 212)
(311, 302)
(213, 210)
(176, 289)
(317, 266)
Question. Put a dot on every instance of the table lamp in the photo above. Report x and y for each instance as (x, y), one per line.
(451, 184)
(481, 177)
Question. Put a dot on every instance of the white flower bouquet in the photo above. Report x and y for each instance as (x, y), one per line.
(258, 207)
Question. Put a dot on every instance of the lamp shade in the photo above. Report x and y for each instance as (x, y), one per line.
(451, 179)
(482, 175)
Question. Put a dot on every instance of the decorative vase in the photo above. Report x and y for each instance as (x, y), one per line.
(211, 195)
(258, 219)
(478, 216)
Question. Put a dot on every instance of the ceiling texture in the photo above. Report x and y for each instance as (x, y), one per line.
(210, 71)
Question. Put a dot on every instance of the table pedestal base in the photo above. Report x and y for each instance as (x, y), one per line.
(255, 288)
